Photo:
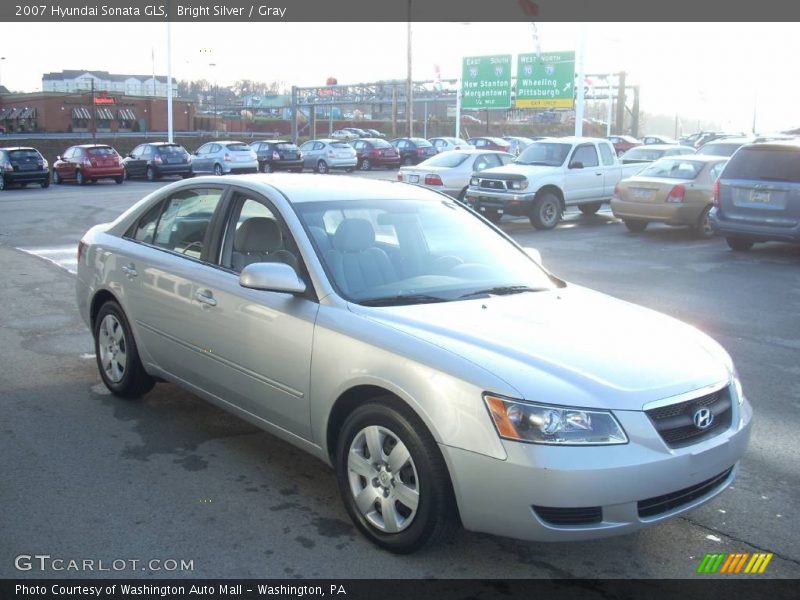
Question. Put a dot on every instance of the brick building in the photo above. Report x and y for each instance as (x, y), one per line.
(51, 112)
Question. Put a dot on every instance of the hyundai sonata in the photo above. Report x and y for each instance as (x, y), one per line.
(442, 372)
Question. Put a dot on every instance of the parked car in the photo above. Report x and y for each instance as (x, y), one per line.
(757, 195)
(442, 144)
(715, 135)
(723, 146)
(323, 155)
(88, 163)
(490, 143)
(645, 154)
(691, 139)
(359, 133)
(343, 135)
(413, 150)
(277, 155)
(518, 143)
(672, 190)
(547, 177)
(450, 171)
(657, 139)
(375, 152)
(374, 133)
(225, 157)
(623, 143)
(21, 165)
(446, 377)
(157, 159)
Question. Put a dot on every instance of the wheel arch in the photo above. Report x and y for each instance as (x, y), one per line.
(100, 297)
(554, 189)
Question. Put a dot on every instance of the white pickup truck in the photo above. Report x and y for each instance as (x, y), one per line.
(548, 176)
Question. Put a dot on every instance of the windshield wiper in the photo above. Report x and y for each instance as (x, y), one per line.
(504, 290)
(401, 299)
(536, 163)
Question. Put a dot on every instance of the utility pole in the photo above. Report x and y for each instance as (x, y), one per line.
(409, 84)
(620, 124)
(94, 116)
(170, 137)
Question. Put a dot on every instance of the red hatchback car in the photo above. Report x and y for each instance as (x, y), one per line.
(490, 143)
(623, 143)
(374, 152)
(88, 163)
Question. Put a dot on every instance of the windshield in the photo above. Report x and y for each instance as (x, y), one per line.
(447, 159)
(673, 168)
(550, 154)
(403, 251)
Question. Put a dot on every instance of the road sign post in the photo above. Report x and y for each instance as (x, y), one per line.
(486, 82)
(546, 80)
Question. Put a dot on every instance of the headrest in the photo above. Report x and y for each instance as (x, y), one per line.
(354, 235)
(258, 234)
(320, 237)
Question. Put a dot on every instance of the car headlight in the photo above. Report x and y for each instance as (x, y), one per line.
(475, 181)
(542, 424)
(518, 185)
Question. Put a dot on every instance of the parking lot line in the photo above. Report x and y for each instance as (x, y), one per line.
(61, 256)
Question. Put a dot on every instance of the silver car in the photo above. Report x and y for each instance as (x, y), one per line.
(224, 157)
(323, 155)
(401, 338)
(450, 171)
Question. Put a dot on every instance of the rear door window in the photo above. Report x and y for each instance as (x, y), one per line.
(606, 154)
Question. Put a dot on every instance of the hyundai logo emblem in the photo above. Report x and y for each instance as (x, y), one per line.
(703, 418)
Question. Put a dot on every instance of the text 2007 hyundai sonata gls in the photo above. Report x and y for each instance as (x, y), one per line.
(395, 334)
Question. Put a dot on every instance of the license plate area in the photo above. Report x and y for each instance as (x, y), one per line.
(413, 178)
(760, 197)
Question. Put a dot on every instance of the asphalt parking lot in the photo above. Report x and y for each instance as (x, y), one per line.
(89, 476)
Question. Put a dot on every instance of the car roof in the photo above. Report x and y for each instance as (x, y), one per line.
(270, 142)
(90, 146)
(776, 145)
(306, 187)
(696, 157)
(162, 144)
(10, 148)
(688, 150)
(730, 140)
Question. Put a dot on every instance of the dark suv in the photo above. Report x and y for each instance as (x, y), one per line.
(155, 160)
(757, 195)
(277, 155)
(21, 166)
(374, 152)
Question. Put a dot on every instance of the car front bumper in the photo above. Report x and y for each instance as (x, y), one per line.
(672, 213)
(499, 496)
(757, 232)
(486, 201)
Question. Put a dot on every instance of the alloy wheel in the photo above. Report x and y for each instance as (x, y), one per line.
(113, 348)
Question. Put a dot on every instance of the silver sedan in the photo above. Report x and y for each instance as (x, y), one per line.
(399, 337)
(451, 170)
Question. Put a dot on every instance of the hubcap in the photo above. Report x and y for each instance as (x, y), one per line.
(548, 212)
(383, 479)
(113, 349)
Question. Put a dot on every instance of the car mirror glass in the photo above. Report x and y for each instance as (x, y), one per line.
(576, 165)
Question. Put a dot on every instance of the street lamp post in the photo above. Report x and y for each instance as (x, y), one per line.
(215, 97)
(2, 58)
(409, 83)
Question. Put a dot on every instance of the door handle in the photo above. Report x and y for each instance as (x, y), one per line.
(205, 297)
(130, 270)
(598, 174)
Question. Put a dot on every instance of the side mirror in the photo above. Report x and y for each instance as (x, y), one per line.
(534, 254)
(272, 277)
(576, 165)
(130, 155)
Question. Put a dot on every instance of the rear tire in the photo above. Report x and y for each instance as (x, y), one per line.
(407, 161)
(45, 184)
(117, 356)
(57, 178)
(402, 501)
(703, 227)
(266, 167)
(738, 244)
(150, 174)
(591, 208)
(546, 211)
(119, 180)
(2, 183)
(635, 226)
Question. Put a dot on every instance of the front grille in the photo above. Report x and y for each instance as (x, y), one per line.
(675, 423)
(668, 502)
(586, 515)
(492, 184)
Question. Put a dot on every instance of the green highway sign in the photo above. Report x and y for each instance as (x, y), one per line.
(486, 82)
(546, 80)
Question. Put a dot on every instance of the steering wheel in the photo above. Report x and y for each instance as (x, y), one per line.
(186, 248)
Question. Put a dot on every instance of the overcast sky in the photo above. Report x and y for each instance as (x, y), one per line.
(714, 71)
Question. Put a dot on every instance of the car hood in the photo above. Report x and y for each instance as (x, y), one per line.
(568, 346)
(515, 171)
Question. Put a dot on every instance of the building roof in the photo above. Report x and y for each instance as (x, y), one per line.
(104, 75)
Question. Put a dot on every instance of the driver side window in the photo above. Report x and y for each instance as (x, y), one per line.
(185, 220)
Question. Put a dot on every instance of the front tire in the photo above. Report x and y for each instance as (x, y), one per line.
(218, 169)
(392, 477)
(2, 183)
(117, 356)
(322, 167)
(366, 165)
(738, 244)
(546, 211)
(79, 178)
(266, 167)
(408, 161)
